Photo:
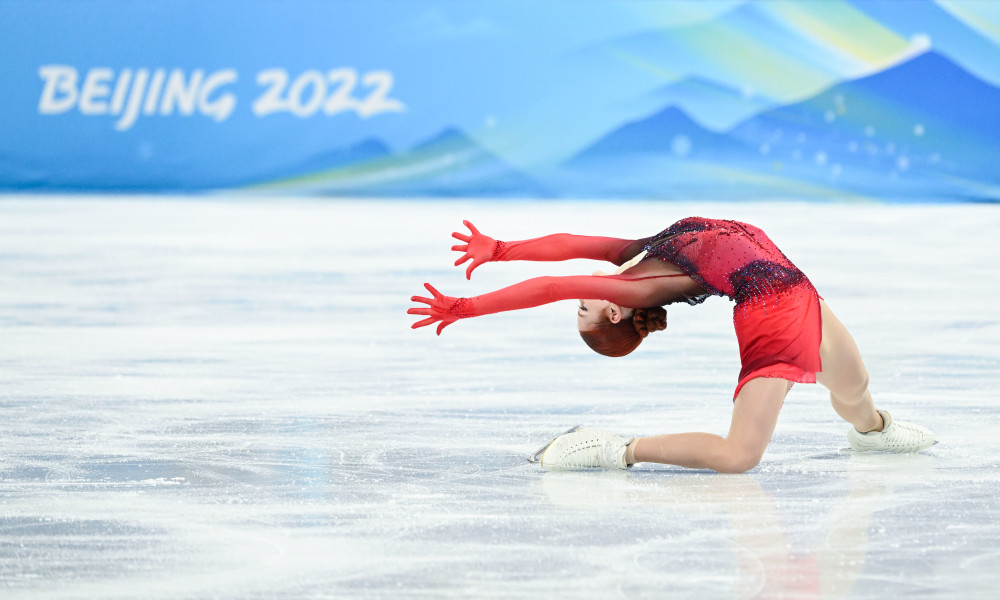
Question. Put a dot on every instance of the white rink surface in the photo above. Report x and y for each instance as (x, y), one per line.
(222, 398)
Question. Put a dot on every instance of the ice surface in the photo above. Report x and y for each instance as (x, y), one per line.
(222, 398)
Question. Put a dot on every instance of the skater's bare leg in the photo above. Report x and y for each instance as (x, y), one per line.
(755, 414)
(844, 374)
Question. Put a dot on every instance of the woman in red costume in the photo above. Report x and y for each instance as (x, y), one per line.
(785, 330)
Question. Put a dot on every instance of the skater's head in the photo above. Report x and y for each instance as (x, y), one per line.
(614, 330)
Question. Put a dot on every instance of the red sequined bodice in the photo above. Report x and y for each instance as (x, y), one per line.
(727, 258)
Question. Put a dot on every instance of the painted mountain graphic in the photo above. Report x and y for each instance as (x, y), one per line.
(452, 164)
(371, 149)
(448, 164)
(755, 46)
(922, 127)
(667, 156)
(964, 45)
(366, 150)
(711, 104)
(928, 91)
(921, 119)
(669, 132)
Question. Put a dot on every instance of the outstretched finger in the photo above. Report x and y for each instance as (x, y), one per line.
(437, 295)
(421, 299)
(460, 248)
(420, 311)
(472, 267)
(443, 325)
(463, 259)
(423, 323)
(460, 236)
(471, 227)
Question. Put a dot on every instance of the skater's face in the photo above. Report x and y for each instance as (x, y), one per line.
(591, 313)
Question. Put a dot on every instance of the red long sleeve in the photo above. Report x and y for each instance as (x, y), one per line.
(633, 293)
(565, 246)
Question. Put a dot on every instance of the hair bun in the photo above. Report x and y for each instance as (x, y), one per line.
(648, 320)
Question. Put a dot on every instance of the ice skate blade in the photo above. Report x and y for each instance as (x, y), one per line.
(537, 456)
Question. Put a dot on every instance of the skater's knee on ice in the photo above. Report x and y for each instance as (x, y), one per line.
(740, 460)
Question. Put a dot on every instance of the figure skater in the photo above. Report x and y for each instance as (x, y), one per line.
(786, 334)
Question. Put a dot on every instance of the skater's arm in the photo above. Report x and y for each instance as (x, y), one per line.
(481, 248)
(566, 246)
(633, 293)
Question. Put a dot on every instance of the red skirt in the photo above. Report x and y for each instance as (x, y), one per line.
(779, 336)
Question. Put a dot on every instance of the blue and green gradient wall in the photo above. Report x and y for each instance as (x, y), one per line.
(726, 99)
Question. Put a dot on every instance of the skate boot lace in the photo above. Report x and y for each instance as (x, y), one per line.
(901, 435)
(584, 453)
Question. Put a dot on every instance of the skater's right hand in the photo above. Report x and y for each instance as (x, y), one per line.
(445, 309)
(478, 247)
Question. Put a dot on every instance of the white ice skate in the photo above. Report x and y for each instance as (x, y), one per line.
(584, 449)
(895, 437)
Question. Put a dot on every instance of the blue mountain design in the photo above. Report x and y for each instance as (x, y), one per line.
(929, 88)
(932, 85)
(452, 164)
(925, 117)
(923, 127)
(669, 132)
(949, 36)
(367, 150)
(711, 104)
(448, 164)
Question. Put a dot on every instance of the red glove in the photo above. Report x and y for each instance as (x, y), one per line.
(440, 308)
(482, 248)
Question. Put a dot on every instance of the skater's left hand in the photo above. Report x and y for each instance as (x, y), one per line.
(478, 247)
(445, 309)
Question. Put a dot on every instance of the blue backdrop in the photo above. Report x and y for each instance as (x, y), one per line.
(542, 98)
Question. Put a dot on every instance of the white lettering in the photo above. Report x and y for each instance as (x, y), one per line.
(340, 100)
(270, 101)
(378, 101)
(121, 87)
(334, 93)
(153, 94)
(59, 93)
(130, 93)
(93, 96)
(313, 79)
(180, 93)
(134, 101)
(220, 108)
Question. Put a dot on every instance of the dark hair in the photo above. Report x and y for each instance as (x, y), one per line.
(621, 338)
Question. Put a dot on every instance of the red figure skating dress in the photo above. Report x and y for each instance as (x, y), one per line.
(777, 313)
